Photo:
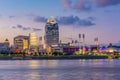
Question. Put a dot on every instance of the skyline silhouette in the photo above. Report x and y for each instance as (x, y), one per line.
(93, 18)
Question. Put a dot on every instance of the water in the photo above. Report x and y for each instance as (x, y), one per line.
(60, 70)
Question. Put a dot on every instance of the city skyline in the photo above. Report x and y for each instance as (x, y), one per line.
(93, 18)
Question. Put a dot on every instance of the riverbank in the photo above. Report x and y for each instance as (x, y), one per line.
(50, 57)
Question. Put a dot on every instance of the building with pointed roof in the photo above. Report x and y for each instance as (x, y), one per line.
(51, 32)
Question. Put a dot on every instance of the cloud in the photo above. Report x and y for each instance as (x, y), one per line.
(83, 5)
(21, 27)
(87, 5)
(36, 29)
(66, 3)
(13, 27)
(92, 18)
(31, 15)
(78, 5)
(11, 16)
(69, 20)
(40, 19)
(103, 3)
(26, 28)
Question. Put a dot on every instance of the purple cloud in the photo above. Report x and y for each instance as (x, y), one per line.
(36, 29)
(83, 5)
(19, 26)
(103, 3)
(86, 5)
(92, 18)
(11, 16)
(13, 27)
(67, 3)
(40, 19)
(69, 20)
(26, 28)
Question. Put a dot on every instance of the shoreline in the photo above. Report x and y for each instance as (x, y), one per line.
(51, 57)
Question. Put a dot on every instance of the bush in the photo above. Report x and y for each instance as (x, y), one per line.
(58, 53)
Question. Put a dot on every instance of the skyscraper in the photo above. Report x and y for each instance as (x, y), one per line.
(51, 32)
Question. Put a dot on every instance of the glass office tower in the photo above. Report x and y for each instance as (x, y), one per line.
(51, 32)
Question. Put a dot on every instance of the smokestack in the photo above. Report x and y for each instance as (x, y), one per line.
(83, 36)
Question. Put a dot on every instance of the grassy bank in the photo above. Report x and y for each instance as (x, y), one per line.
(50, 57)
(56, 55)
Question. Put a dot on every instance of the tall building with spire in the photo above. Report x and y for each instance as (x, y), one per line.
(51, 32)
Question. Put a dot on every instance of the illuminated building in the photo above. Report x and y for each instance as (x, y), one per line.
(21, 42)
(5, 46)
(70, 49)
(51, 32)
(34, 42)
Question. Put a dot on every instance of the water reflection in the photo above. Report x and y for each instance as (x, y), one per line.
(40, 68)
(60, 70)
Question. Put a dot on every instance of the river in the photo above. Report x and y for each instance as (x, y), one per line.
(101, 69)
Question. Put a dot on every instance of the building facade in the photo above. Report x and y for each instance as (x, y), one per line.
(51, 32)
(21, 42)
(34, 42)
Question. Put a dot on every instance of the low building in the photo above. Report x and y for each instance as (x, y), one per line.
(4, 47)
(70, 49)
(21, 42)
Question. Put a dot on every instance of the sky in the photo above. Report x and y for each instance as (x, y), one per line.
(94, 18)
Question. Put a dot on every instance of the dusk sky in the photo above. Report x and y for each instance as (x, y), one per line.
(94, 18)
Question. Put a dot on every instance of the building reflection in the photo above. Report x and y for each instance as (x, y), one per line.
(101, 69)
(36, 75)
(97, 62)
(41, 70)
(52, 63)
(34, 64)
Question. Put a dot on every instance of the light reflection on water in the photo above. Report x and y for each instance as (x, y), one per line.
(60, 70)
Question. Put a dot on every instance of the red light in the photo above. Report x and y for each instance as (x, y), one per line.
(17, 51)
